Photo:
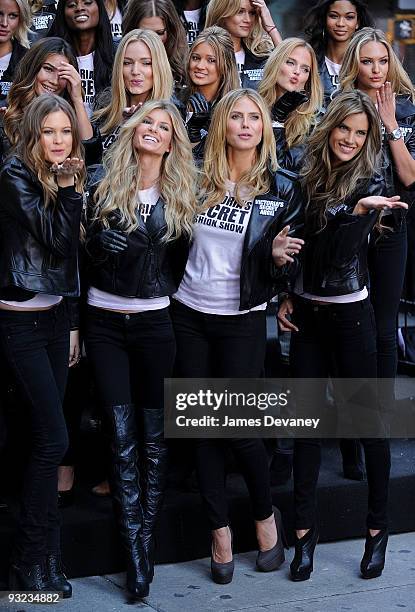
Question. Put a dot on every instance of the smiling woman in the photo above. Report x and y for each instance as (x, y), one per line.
(141, 209)
(15, 20)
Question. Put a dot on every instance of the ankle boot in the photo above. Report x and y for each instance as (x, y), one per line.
(126, 493)
(373, 560)
(28, 577)
(56, 578)
(302, 564)
(154, 475)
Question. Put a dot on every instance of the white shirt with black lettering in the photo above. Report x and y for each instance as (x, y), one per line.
(116, 21)
(4, 64)
(192, 20)
(211, 282)
(86, 71)
(334, 71)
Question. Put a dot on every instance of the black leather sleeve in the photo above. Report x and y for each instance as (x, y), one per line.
(56, 227)
(93, 147)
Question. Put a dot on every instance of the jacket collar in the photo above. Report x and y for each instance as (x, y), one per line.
(404, 107)
(156, 221)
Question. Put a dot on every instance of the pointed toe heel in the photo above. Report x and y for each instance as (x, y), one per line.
(222, 573)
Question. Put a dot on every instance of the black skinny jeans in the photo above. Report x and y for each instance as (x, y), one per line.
(36, 345)
(211, 345)
(343, 337)
(130, 355)
(387, 263)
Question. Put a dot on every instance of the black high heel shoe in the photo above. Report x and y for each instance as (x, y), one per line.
(373, 560)
(28, 577)
(222, 573)
(302, 564)
(272, 559)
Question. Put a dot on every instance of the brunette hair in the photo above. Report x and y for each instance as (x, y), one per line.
(29, 148)
(22, 91)
(326, 184)
(315, 23)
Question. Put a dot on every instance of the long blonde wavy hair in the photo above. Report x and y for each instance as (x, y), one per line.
(258, 41)
(300, 122)
(162, 88)
(326, 184)
(220, 41)
(118, 191)
(216, 172)
(397, 75)
(25, 22)
(30, 150)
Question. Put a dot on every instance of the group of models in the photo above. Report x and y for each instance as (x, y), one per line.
(202, 202)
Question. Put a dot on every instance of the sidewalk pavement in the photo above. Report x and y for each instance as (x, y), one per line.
(186, 587)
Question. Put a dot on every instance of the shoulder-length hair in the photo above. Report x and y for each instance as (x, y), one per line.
(315, 23)
(326, 184)
(258, 42)
(222, 46)
(22, 91)
(162, 88)
(103, 49)
(216, 173)
(25, 21)
(299, 123)
(29, 148)
(118, 191)
(176, 43)
(397, 75)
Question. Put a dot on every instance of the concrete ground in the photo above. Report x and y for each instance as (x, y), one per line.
(186, 587)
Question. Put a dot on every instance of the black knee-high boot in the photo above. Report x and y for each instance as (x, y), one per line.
(154, 471)
(126, 492)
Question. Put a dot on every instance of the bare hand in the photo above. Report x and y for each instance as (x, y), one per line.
(378, 203)
(284, 247)
(264, 13)
(286, 308)
(130, 110)
(70, 167)
(68, 73)
(385, 98)
(74, 348)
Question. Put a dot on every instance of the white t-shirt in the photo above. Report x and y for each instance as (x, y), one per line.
(192, 19)
(116, 22)
(240, 59)
(86, 71)
(147, 199)
(211, 281)
(334, 71)
(40, 300)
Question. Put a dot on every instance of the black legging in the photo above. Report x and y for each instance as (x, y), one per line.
(211, 345)
(343, 334)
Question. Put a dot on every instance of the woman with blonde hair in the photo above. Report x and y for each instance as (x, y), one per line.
(219, 308)
(15, 21)
(331, 315)
(253, 34)
(371, 65)
(141, 209)
(141, 72)
(40, 213)
(292, 90)
(161, 17)
(211, 74)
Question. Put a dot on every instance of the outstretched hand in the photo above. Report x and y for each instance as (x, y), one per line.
(284, 247)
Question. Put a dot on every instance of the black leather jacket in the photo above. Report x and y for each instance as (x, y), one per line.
(271, 212)
(6, 81)
(38, 245)
(334, 259)
(253, 70)
(405, 116)
(148, 268)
